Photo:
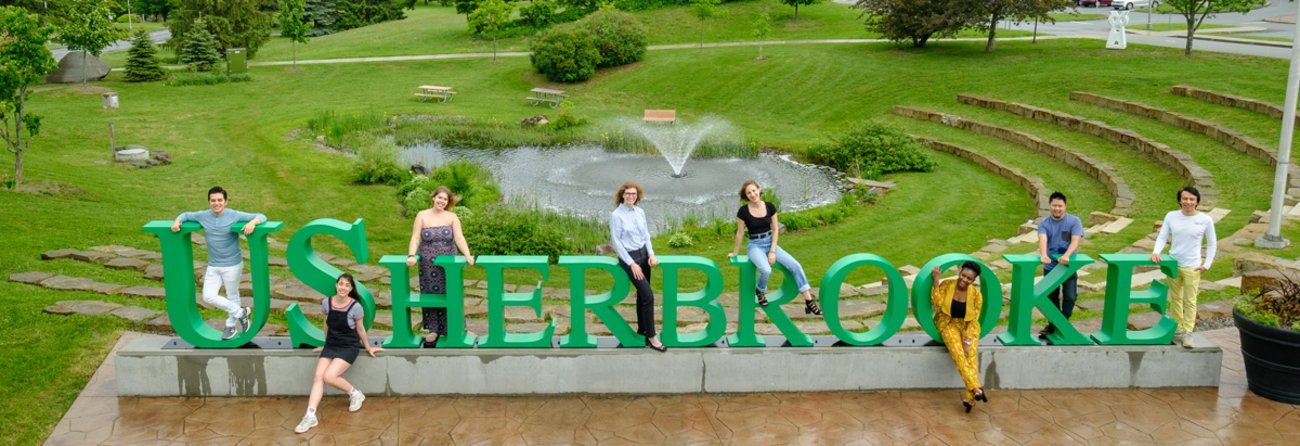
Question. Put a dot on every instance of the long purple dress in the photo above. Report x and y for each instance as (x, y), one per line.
(434, 241)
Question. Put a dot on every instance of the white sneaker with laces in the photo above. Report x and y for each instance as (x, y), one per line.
(243, 320)
(355, 399)
(308, 422)
(1187, 340)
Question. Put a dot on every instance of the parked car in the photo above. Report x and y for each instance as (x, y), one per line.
(1095, 3)
(1133, 4)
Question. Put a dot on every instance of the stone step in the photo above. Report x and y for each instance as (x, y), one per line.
(1217, 214)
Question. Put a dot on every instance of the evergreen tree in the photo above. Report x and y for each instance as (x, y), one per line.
(142, 61)
(199, 50)
(324, 14)
(234, 23)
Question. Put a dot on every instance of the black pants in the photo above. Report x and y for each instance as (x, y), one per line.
(1064, 297)
(645, 296)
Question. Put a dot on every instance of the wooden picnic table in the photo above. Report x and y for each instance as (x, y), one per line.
(546, 96)
(427, 92)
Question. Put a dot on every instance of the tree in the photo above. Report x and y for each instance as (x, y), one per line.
(199, 50)
(619, 36)
(161, 9)
(323, 14)
(705, 9)
(358, 13)
(24, 61)
(466, 6)
(292, 26)
(142, 61)
(796, 3)
(88, 27)
(488, 18)
(565, 54)
(915, 20)
(990, 12)
(762, 26)
(234, 23)
(1195, 11)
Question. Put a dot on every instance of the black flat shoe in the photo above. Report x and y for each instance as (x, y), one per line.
(661, 348)
(762, 297)
(968, 405)
(980, 396)
(433, 343)
(810, 307)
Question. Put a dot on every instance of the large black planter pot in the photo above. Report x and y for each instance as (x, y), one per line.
(1272, 360)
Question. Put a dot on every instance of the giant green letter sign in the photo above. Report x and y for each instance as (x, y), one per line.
(320, 275)
(705, 299)
(178, 281)
(1119, 295)
(602, 305)
(498, 300)
(745, 335)
(1027, 295)
(895, 308)
(990, 288)
(453, 300)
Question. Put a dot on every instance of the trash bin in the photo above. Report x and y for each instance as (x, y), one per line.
(236, 61)
(110, 101)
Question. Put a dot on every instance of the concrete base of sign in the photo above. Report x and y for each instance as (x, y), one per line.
(156, 367)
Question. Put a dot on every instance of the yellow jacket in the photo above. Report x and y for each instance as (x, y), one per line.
(941, 299)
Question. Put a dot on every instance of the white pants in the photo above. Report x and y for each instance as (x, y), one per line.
(228, 276)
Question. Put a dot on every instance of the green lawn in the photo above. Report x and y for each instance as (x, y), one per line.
(1249, 37)
(1176, 26)
(239, 136)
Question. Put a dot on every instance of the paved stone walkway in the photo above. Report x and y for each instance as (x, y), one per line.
(1229, 414)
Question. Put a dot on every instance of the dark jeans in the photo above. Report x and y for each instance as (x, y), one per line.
(1063, 297)
(645, 296)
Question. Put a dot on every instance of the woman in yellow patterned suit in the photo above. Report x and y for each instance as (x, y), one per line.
(957, 316)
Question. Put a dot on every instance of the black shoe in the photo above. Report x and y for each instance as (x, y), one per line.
(661, 348)
(762, 297)
(810, 307)
(968, 405)
(980, 396)
(433, 343)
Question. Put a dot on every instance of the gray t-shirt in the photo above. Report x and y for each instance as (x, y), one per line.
(223, 245)
(354, 314)
(1058, 234)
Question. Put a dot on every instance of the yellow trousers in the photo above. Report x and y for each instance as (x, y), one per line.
(1182, 298)
(962, 339)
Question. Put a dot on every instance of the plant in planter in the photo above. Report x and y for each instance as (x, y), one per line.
(1269, 324)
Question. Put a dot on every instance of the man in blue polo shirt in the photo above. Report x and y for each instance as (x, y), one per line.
(1058, 239)
(225, 264)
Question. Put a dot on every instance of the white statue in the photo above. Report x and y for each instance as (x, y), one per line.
(1117, 40)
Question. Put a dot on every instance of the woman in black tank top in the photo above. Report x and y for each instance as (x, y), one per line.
(759, 219)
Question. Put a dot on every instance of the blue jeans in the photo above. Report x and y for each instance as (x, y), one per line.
(757, 251)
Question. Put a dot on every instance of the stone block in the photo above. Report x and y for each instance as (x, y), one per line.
(143, 291)
(1143, 321)
(294, 289)
(1097, 218)
(135, 314)
(1253, 261)
(127, 263)
(153, 272)
(1255, 281)
(58, 254)
(78, 66)
(87, 307)
(1209, 310)
(92, 256)
(30, 277)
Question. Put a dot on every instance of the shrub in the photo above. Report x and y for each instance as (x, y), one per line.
(378, 162)
(681, 239)
(186, 80)
(537, 13)
(199, 48)
(619, 36)
(477, 134)
(519, 229)
(565, 119)
(469, 181)
(870, 150)
(565, 54)
(129, 18)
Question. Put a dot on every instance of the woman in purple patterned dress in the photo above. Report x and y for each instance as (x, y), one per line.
(436, 232)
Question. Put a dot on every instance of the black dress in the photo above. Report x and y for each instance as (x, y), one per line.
(341, 341)
(434, 241)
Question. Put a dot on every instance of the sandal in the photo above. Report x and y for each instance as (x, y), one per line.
(762, 297)
(810, 307)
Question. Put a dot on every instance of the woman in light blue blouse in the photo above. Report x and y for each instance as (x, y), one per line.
(631, 240)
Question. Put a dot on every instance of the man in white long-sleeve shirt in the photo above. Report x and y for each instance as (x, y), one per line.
(1185, 229)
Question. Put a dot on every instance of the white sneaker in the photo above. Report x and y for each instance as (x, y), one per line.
(354, 400)
(243, 320)
(1187, 340)
(308, 422)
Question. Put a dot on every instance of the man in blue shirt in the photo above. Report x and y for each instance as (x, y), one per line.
(225, 264)
(1058, 239)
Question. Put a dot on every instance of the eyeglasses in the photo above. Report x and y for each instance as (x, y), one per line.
(630, 193)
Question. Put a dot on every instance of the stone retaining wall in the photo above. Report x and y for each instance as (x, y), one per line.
(1229, 137)
(1033, 185)
(1214, 97)
(1118, 189)
(1182, 163)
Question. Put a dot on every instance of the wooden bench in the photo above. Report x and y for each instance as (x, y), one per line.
(669, 116)
(428, 92)
(546, 96)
